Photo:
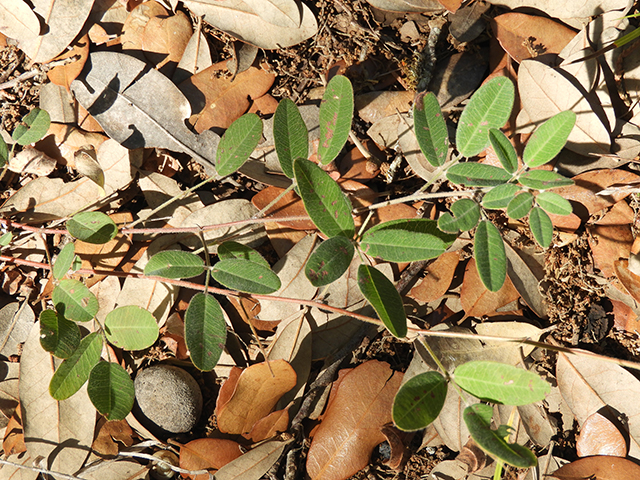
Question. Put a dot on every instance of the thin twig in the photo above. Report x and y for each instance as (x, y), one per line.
(41, 470)
(151, 458)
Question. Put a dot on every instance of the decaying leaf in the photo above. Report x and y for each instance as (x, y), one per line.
(476, 300)
(208, 453)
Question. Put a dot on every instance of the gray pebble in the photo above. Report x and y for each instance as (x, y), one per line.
(169, 397)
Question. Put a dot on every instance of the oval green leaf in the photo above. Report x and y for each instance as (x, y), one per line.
(430, 128)
(490, 256)
(466, 215)
(336, 113)
(245, 276)
(34, 126)
(237, 143)
(74, 371)
(326, 204)
(174, 264)
(489, 107)
(406, 240)
(478, 420)
(63, 263)
(543, 180)
(547, 141)
(385, 299)
(131, 327)
(553, 203)
(541, 227)
(419, 401)
(501, 383)
(520, 205)
(290, 135)
(111, 390)
(504, 150)
(477, 175)
(4, 152)
(58, 335)
(233, 249)
(205, 331)
(92, 227)
(329, 261)
(73, 300)
(500, 196)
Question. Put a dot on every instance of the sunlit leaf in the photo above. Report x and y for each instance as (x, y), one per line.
(111, 390)
(74, 371)
(329, 261)
(290, 135)
(419, 401)
(430, 129)
(63, 263)
(466, 215)
(504, 150)
(174, 264)
(500, 196)
(541, 227)
(543, 180)
(92, 227)
(4, 152)
(478, 420)
(553, 203)
(205, 331)
(58, 335)
(74, 301)
(385, 299)
(548, 139)
(245, 276)
(520, 205)
(6, 239)
(489, 107)
(131, 327)
(33, 127)
(336, 113)
(490, 256)
(477, 175)
(231, 249)
(237, 143)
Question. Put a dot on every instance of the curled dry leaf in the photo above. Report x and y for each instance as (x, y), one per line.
(207, 453)
(135, 23)
(63, 141)
(255, 463)
(599, 436)
(476, 300)
(257, 391)
(66, 73)
(110, 435)
(352, 425)
(609, 243)
(165, 39)
(602, 467)
(31, 160)
(269, 426)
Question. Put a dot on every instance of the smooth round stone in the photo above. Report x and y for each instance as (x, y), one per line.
(169, 398)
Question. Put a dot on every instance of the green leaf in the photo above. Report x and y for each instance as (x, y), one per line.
(74, 301)
(245, 276)
(4, 152)
(385, 299)
(290, 135)
(205, 331)
(174, 264)
(92, 227)
(74, 371)
(430, 128)
(467, 216)
(504, 150)
(131, 327)
(58, 335)
(477, 175)
(543, 180)
(406, 240)
(489, 107)
(231, 249)
(547, 141)
(326, 204)
(64, 261)
(541, 227)
(520, 205)
(501, 383)
(336, 113)
(6, 239)
(490, 256)
(34, 126)
(111, 390)
(237, 143)
(554, 203)
(478, 420)
(500, 196)
(419, 401)
(329, 261)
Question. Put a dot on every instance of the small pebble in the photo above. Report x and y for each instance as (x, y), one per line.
(169, 397)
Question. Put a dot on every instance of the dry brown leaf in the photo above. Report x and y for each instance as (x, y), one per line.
(259, 388)
(110, 434)
(216, 101)
(17, 20)
(609, 243)
(165, 39)
(264, 105)
(399, 451)
(588, 184)
(269, 426)
(599, 436)
(438, 278)
(63, 141)
(601, 467)
(624, 318)
(255, 463)
(352, 425)
(228, 387)
(64, 74)
(289, 205)
(630, 280)
(451, 5)
(620, 214)
(417, 6)
(476, 300)
(207, 453)
(393, 212)
(195, 58)
(374, 106)
(524, 36)
(13, 442)
(31, 160)
(135, 23)
(355, 166)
